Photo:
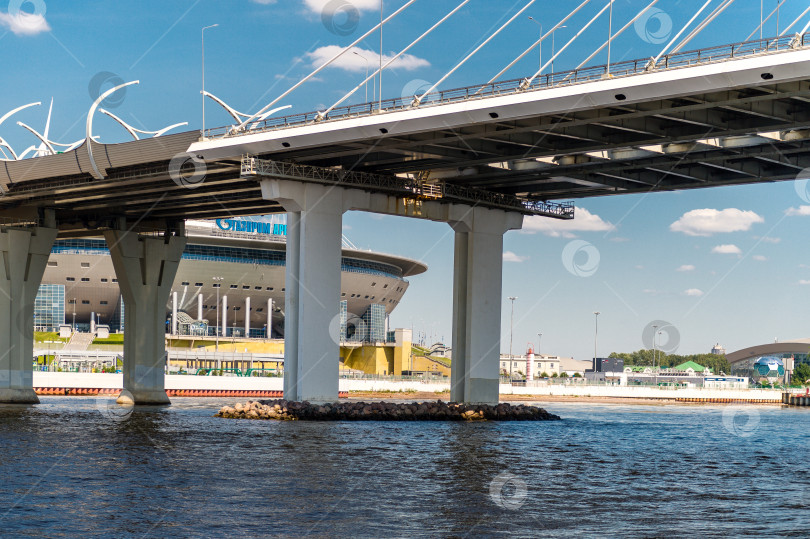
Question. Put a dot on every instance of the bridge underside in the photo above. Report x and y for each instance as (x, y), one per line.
(726, 137)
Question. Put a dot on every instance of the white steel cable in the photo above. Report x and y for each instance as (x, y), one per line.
(528, 82)
(762, 24)
(322, 115)
(241, 126)
(654, 61)
(703, 24)
(791, 25)
(536, 43)
(418, 100)
(617, 34)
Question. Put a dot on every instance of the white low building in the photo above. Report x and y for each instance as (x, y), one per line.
(516, 366)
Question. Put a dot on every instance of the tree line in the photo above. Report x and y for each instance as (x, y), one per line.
(717, 363)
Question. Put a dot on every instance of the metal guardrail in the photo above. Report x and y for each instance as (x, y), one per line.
(550, 80)
(417, 189)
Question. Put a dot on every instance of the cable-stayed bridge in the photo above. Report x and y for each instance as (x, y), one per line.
(479, 158)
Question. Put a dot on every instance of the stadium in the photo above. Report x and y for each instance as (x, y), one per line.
(230, 282)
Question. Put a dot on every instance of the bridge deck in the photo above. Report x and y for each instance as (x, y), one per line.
(721, 116)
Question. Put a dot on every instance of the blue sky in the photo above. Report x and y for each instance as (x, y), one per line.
(725, 265)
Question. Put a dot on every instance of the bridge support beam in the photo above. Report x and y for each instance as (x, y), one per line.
(312, 281)
(25, 252)
(145, 268)
(477, 276)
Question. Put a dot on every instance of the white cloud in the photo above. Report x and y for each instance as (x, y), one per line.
(639, 267)
(759, 258)
(263, 2)
(804, 281)
(619, 239)
(509, 256)
(354, 63)
(707, 221)
(694, 292)
(318, 5)
(801, 211)
(686, 267)
(726, 250)
(24, 24)
(584, 221)
(767, 239)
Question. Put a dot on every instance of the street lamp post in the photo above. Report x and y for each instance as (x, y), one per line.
(595, 334)
(375, 78)
(655, 334)
(511, 332)
(553, 48)
(217, 286)
(539, 336)
(540, 46)
(202, 33)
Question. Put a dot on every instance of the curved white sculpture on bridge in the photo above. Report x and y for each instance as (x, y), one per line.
(89, 129)
(134, 131)
(49, 144)
(3, 143)
(239, 117)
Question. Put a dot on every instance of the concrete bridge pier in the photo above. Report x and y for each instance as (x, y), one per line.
(145, 267)
(25, 254)
(477, 285)
(312, 298)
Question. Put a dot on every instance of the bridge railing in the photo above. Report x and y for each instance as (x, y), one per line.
(549, 80)
(411, 188)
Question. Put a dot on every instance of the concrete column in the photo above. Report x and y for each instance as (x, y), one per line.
(247, 316)
(92, 322)
(25, 252)
(224, 316)
(174, 313)
(269, 318)
(477, 276)
(145, 268)
(199, 306)
(312, 301)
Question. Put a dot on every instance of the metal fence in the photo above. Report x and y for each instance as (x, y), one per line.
(550, 80)
(412, 188)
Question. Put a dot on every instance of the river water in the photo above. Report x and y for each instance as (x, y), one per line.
(77, 466)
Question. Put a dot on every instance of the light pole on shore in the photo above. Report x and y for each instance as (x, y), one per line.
(539, 336)
(511, 325)
(595, 334)
(655, 336)
(217, 285)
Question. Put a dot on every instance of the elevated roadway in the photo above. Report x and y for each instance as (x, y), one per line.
(478, 158)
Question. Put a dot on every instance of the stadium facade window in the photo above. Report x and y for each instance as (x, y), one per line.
(49, 307)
